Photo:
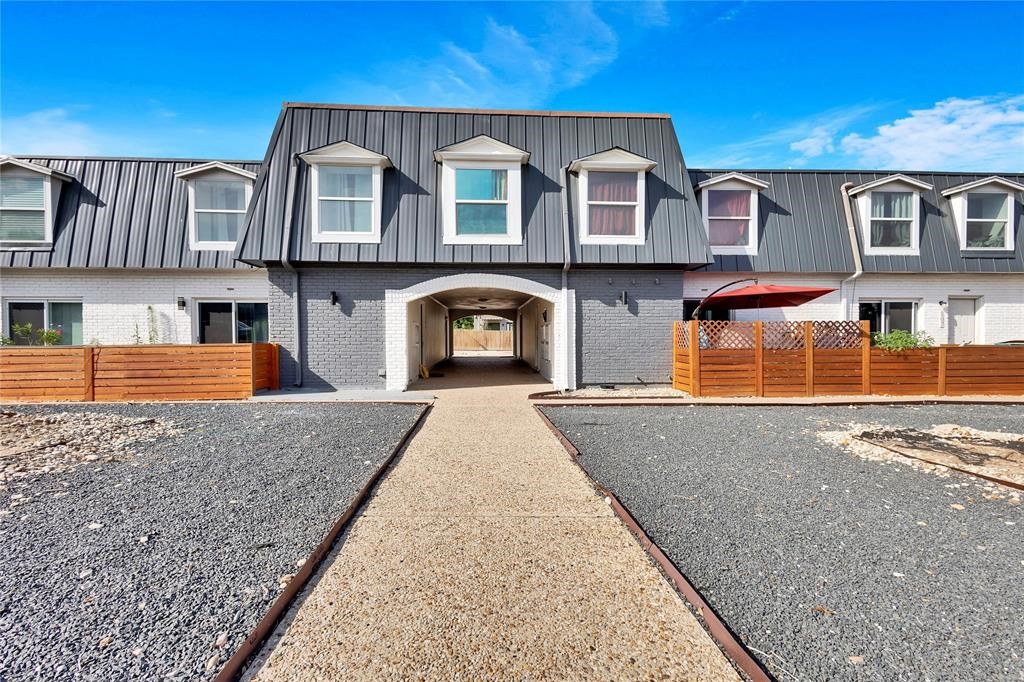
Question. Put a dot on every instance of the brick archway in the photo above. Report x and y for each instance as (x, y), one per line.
(563, 370)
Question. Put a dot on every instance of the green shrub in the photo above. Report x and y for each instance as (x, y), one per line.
(899, 340)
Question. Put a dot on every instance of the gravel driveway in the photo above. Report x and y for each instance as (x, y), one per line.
(144, 563)
(827, 565)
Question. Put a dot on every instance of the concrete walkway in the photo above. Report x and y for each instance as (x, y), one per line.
(486, 554)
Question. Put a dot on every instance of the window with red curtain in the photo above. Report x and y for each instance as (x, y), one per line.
(611, 203)
(728, 217)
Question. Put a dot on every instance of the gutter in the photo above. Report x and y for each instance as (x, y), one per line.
(570, 346)
(285, 249)
(846, 284)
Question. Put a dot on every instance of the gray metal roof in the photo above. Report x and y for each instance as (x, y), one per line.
(803, 228)
(411, 225)
(122, 213)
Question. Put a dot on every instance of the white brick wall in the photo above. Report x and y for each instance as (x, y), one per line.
(1000, 311)
(116, 302)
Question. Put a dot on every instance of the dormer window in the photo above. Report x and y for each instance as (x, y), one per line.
(481, 191)
(729, 204)
(218, 195)
(28, 200)
(346, 185)
(612, 197)
(890, 215)
(892, 220)
(985, 212)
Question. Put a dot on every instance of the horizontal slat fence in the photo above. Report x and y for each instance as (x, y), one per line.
(481, 339)
(137, 373)
(793, 359)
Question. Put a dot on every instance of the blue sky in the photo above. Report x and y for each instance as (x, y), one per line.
(750, 85)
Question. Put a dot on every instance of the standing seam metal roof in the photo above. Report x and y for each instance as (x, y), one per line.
(411, 224)
(802, 227)
(122, 213)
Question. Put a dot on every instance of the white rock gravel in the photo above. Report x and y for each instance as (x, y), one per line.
(828, 565)
(157, 565)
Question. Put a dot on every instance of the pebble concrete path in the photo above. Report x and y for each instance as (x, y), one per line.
(486, 554)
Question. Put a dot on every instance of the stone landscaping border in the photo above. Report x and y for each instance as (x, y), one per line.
(716, 627)
(235, 665)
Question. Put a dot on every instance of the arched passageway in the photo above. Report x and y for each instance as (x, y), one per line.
(419, 325)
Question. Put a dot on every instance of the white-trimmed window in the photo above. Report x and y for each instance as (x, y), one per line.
(231, 321)
(25, 318)
(985, 212)
(729, 205)
(481, 192)
(218, 195)
(28, 199)
(613, 197)
(346, 185)
(889, 315)
(988, 225)
(890, 215)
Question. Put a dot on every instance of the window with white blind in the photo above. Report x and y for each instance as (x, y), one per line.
(23, 207)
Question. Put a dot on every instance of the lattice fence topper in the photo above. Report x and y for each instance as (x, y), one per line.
(683, 334)
(837, 334)
(724, 335)
(783, 335)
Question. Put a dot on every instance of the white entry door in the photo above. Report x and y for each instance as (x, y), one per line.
(962, 320)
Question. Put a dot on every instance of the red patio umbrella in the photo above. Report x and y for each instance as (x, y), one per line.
(762, 296)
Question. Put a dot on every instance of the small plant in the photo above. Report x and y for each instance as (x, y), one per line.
(6, 340)
(899, 340)
(23, 332)
(136, 336)
(49, 337)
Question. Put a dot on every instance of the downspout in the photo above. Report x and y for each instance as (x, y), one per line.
(286, 249)
(570, 346)
(851, 229)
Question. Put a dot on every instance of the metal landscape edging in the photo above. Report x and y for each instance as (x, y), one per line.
(717, 628)
(235, 665)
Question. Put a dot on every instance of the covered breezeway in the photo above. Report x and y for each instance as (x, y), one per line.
(420, 322)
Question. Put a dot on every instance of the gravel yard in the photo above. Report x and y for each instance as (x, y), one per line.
(156, 562)
(827, 565)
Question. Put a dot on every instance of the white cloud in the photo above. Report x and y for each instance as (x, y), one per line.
(980, 134)
(508, 69)
(809, 138)
(49, 131)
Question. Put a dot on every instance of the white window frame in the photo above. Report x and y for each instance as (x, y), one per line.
(915, 224)
(962, 220)
(213, 170)
(49, 201)
(345, 154)
(46, 310)
(513, 203)
(916, 303)
(194, 243)
(640, 208)
(335, 237)
(891, 183)
(234, 314)
(748, 249)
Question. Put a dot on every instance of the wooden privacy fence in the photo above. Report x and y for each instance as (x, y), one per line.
(788, 359)
(481, 339)
(123, 373)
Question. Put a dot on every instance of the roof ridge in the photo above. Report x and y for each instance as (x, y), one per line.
(469, 110)
(168, 159)
(886, 171)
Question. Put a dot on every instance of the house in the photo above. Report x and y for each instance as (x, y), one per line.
(127, 251)
(938, 253)
(366, 231)
(492, 323)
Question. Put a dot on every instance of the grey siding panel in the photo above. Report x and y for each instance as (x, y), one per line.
(411, 230)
